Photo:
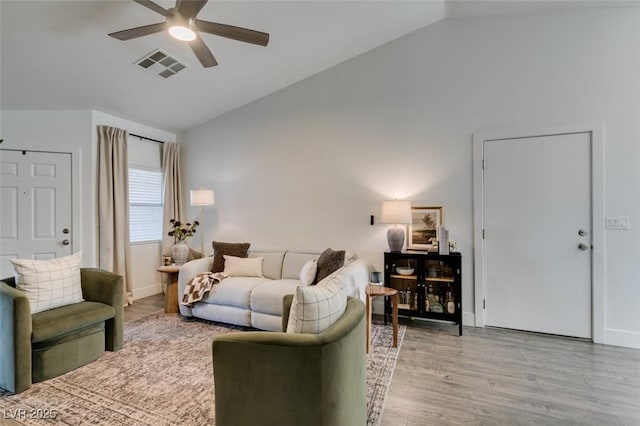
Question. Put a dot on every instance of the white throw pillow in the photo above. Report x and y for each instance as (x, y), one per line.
(349, 257)
(314, 309)
(243, 266)
(49, 283)
(308, 272)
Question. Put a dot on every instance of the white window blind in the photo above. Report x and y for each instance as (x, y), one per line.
(145, 205)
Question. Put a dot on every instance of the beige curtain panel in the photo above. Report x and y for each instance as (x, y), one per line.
(172, 193)
(113, 205)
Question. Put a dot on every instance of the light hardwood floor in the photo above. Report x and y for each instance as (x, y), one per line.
(143, 307)
(500, 377)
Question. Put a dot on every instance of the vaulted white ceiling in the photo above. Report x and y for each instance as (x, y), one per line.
(56, 54)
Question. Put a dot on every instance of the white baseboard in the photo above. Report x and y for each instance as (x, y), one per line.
(627, 339)
(150, 290)
(468, 318)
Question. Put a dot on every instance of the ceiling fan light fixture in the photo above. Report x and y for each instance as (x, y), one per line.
(181, 23)
(182, 33)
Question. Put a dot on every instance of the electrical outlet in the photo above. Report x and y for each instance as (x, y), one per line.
(618, 222)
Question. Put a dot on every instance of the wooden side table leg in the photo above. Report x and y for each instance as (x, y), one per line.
(395, 320)
(171, 297)
(368, 323)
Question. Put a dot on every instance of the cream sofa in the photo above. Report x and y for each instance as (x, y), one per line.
(257, 302)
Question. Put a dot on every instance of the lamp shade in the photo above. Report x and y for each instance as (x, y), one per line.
(396, 212)
(201, 197)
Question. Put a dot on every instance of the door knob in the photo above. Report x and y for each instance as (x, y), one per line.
(65, 231)
(583, 247)
(582, 233)
(65, 242)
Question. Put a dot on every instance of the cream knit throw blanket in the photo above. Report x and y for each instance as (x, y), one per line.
(199, 286)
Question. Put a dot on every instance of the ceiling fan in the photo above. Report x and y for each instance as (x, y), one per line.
(182, 24)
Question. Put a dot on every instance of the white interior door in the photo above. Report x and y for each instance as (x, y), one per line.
(35, 209)
(537, 223)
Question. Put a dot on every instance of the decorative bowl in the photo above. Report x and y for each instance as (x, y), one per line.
(404, 270)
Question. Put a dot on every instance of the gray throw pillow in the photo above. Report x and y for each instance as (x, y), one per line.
(221, 249)
(328, 262)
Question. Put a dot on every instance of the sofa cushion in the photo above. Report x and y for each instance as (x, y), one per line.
(243, 267)
(354, 277)
(294, 261)
(233, 291)
(329, 262)
(350, 256)
(55, 323)
(223, 313)
(316, 308)
(272, 265)
(267, 297)
(51, 283)
(230, 249)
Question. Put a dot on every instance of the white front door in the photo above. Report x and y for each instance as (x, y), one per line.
(537, 222)
(35, 206)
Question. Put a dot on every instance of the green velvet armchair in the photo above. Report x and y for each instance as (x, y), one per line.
(267, 378)
(47, 344)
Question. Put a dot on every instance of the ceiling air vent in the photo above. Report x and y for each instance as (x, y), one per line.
(160, 64)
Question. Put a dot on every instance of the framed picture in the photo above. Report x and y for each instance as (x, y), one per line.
(423, 226)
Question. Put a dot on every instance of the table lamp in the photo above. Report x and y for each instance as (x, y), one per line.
(396, 212)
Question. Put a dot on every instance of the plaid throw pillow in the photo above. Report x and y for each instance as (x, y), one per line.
(49, 283)
(316, 308)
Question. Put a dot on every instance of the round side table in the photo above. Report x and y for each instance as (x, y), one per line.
(373, 291)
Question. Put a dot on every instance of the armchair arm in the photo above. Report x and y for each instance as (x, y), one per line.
(186, 274)
(106, 287)
(15, 335)
(287, 300)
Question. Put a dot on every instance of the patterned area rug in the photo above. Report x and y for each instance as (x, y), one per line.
(381, 361)
(162, 376)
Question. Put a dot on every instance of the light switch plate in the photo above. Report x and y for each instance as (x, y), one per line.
(618, 222)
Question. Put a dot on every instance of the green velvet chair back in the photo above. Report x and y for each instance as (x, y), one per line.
(266, 378)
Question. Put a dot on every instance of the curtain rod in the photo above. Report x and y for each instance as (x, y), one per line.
(144, 137)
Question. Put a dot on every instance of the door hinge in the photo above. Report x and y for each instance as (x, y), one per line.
(483, 234)
(484, 303)
(483, 164)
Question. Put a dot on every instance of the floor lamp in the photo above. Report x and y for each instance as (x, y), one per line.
(201, 198)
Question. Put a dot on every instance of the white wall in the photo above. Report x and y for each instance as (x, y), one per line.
(306, 166)
(75, 132)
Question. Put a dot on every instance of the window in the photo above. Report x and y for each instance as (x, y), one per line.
(145, 204)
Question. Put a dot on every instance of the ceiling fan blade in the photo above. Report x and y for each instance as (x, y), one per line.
(202, 52)
(139, 31)
(190, 8)
(234, 33)
(151, 5)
